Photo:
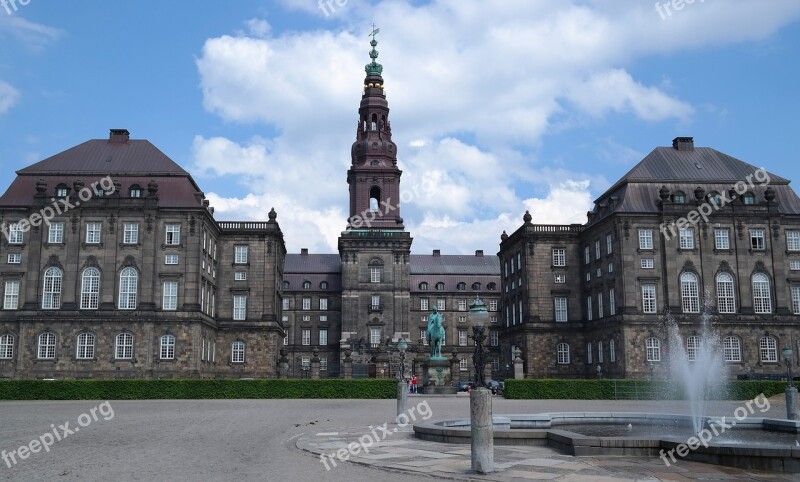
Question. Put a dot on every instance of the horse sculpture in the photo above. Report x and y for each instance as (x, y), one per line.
(435, 333)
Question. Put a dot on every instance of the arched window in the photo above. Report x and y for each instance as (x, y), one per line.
(563, 353)
(306, 285)
(732, 349)
(612, 351)
(690, 293)
(439, 286)
(692, 347)
(748, 198)
(85, 346)
(323, 285)
(167, 345)
(461, 286)
(47, 346)
(6, 347)
(768, 347)
(762, 302)
(128, 287)
(90, 289)
(476, 286)
(653, 346)
(374, 123)
(726, 300)
(589, 353)
(237, 352)
(423, 286)
(136, 191)
(51, 295)
(491, 287)
(374, 198)
(679, 197)
(62, 190)
(123, 346)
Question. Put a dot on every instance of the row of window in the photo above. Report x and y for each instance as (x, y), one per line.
(462, 305)
(135, 191)
(587, 256)
(731, 349)
(306, 304)
(463, 337)
(686, 239)
(461, 286)
(563, 355)
(516, 265)
(714, 197)
(85, 347)
(323, 285)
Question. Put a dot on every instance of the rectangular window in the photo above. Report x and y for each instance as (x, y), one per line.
(649, 298)
(610, 267)
(240, 276)
(285, 303)
(599, 352)
(722, 239)
(462, 305)
(587, 257)
(323, 304)
(600, 305)
(559, 257)
(56, 233)
(462, 319)
(306, 337)
(376, 302)
(323, 318)
(440, 304)
(171, 259)
(609, 244)
(589, 353)
(757, 239)
(307, 318)
(130, 233)
(493, 319)
(796, 300)
(463, 365)
(323, 337)
(374, 337)
(559, 278)
(173, 234)
(462, 337)
(240, 254)
(686, 236)
(93, 233)
(375, 275)
(239, 307)
(15, 234)
(794, 265)
(14, 258)
(647, 263)
(323, 364)
(423, 335)
(306, 303)
(560, 308)
(597, 249)
(612, 302)
(645, 239)
(170, 301)
(305, 362)
(423, 304)
(793, 240)
(612, 351)
(492, 305)
(11, 295)
(589, 307)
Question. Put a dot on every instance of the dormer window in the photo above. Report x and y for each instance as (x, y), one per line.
(748, 198)
(306, 285)
(423, 286)
(461, 286)
(62, 190)
(679, 198)
(439, 286)
(136, 191)
(715, 199)
(491, 287)
(476, 286)
(323, 285)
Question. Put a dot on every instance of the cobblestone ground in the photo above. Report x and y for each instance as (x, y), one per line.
(282, 439)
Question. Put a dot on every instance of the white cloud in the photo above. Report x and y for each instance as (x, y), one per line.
(30, 34)
(258, 27)
(566, 203)
(8, 96)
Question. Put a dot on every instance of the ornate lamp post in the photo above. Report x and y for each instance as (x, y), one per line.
(480, 399)
(791, 391)
(402, 345)
(402, 386)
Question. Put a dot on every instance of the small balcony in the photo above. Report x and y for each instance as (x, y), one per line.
(372, 308)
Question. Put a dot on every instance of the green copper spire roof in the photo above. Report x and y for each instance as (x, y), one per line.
(374, 68)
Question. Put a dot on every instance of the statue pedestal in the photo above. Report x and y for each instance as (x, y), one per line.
(436, 377)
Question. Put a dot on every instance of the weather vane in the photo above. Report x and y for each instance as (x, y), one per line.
(374, 31)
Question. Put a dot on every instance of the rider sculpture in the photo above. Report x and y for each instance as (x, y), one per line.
(435, 333)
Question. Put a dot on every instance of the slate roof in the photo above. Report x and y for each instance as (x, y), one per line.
(451, 283)
(455, 264)
(296, 281)
(312, 263)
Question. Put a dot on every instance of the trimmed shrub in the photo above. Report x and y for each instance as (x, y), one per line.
(195, 389)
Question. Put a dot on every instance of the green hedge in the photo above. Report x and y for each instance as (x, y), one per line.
(542, 389)
(194, 389)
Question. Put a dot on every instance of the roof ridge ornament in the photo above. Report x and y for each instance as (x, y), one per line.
(374, 68)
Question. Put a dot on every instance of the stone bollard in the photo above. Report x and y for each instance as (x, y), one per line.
(402, 400)
(480, 407)
(792, 405)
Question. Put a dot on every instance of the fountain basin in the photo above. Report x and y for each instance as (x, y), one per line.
(548, 429)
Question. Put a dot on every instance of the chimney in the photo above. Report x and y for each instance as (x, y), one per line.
(683, 143)
(479, 253)
(304, 251)
(119, 136)
(437, 252)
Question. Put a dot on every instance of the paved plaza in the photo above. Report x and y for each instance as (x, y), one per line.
(282, 440)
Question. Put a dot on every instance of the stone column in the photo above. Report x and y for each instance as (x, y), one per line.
(402, 401)
(792, 405)
(519, 372)
(480, 408)
(347, 365)
(315, 364)
(283, 365)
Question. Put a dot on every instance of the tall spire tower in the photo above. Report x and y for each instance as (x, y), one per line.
(376, 248)
(373, 177)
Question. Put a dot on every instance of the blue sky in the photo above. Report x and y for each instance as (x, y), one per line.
(497, 106)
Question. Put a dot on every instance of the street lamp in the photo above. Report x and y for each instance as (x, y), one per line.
(787, 357)
(480, 399)
(402, 345)
(478, 315)
(792, 405)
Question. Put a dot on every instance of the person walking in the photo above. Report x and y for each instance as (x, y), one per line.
(413, 384)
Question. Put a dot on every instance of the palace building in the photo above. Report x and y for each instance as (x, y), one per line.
(131, 276)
